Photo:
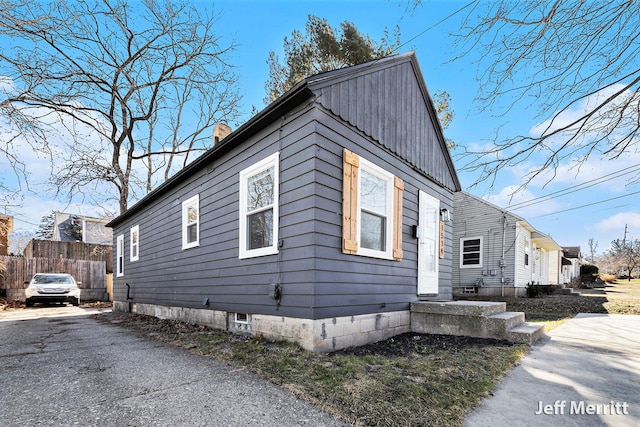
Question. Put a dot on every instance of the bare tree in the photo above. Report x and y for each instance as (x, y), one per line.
(18, 241)
(574, 63)
(627, 255)
(593, 247)
(134, 84)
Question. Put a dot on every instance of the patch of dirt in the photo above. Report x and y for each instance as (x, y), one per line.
(10, 305)
(411, 343)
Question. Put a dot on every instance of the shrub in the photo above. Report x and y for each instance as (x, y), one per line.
(608, 277)
(535, 291)
(588, 272)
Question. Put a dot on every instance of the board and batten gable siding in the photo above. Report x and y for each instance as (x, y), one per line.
(390, 103)
(167, 275)
(473, 218)
(349, 284)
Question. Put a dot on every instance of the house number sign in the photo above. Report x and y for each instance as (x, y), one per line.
(441, 245)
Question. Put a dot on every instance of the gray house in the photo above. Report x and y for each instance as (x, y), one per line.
(497, 252)
(318, 221)
(80, 228)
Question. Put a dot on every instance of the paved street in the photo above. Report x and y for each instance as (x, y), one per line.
(59, 366)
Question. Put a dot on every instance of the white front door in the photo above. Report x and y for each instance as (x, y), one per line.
(428, 240)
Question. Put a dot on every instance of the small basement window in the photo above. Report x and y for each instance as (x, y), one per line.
(239, 322)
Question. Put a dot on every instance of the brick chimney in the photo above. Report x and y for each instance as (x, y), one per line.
(220, 132)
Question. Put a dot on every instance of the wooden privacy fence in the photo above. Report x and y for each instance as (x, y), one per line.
(17, 270)
(70, 250)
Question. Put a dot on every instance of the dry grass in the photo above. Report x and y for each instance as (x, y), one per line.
(618, 297)
(411, 379)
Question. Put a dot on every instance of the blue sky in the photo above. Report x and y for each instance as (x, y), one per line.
(258, 27)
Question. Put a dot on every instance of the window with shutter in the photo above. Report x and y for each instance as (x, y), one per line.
(372, 209)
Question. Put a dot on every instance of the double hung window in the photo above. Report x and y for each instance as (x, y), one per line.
(191, 222)
(134, 243)
(259, 208)
(372, 210)
(120, 255)
(471, 252)
(375, 212)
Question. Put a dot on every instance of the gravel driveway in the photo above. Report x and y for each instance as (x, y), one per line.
(59, 366)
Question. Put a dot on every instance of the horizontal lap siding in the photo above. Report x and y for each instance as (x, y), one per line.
(167, 275)
(352, 284)
(474, 218)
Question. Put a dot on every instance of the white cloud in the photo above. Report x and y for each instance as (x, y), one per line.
(521, 202)
(610, 176)
(617, 223)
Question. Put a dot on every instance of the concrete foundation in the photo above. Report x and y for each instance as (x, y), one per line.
(315, 335)
(479, 319)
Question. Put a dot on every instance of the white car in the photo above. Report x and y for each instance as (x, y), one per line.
(52, 287)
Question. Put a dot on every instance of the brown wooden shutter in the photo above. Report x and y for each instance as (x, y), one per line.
(397, 218)
(351, 163)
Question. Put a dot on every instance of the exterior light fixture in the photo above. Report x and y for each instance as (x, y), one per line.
(445, 215)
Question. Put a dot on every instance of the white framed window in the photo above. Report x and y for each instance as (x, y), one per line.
(527, 250)
(259, 208)
(470, 252)
(242, 318)
(375, 211)
(134, 243)
(120, 255)
(191, 222)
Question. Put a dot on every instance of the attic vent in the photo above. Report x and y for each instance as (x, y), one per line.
(220, 132)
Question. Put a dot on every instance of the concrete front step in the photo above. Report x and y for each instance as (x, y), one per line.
(569, 291)
(459, 308)
(526, 333)
(480, 319)
(506, 320)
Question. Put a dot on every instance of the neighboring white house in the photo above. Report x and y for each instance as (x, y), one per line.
(571, 261)
(497, 252)
(79, 228)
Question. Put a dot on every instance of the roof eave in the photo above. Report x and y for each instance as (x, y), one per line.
(287, 101)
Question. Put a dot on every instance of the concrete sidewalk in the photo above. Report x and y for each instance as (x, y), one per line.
(586, 372)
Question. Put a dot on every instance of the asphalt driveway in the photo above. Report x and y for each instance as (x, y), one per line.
(59, 366)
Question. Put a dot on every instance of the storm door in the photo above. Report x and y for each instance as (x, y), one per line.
(428, 240)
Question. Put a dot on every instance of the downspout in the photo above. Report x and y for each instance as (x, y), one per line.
(504, 232)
